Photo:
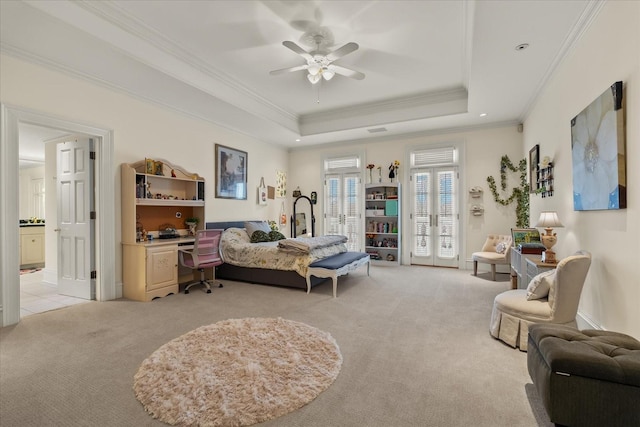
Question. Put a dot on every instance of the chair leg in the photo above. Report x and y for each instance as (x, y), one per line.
(202, 281)
(493, 272)
(475, 268)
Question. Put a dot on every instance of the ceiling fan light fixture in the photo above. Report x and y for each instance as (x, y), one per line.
(328, 74)
(314, 69)
(313, 78)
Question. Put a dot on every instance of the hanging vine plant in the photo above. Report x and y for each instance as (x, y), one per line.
(518, 194)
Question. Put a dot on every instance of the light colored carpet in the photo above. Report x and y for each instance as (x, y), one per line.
(414, 340)
(237, 372)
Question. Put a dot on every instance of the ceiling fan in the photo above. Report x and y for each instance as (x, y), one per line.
(320, 61)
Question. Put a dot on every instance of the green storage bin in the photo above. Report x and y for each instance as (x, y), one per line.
(391, 208)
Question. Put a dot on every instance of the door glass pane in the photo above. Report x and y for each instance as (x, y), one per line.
(422, 214)
(350, 211)
(332, 205)
(446, 215)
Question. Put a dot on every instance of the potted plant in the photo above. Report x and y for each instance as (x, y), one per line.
(192, 223)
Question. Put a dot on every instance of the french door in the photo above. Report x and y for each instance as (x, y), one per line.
(434, 216)
(342, 201)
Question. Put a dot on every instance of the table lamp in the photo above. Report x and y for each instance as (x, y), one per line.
(549, 220)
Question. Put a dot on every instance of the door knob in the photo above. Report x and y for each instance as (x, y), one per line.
(56, 229)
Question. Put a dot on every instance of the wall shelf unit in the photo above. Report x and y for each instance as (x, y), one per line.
(545, 181)
(382, 221)
(475, 192)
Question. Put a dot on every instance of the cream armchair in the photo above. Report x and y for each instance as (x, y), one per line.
(551, 297)
(496, 250)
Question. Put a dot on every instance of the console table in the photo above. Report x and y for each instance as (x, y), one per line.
(525, 267)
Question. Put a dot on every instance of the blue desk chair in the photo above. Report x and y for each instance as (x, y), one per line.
(205, 254)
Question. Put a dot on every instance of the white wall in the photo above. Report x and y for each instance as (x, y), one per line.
(608, 51)
(483, 150)
(144, 130)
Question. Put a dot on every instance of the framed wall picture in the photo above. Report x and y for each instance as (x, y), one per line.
(598, 152)
(231, 173)
(534, 167)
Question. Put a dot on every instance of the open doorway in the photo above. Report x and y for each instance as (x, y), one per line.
(40, 286)
(12, 118)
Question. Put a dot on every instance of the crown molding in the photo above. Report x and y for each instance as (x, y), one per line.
(234, 93)
(409, 135)
(414, 107)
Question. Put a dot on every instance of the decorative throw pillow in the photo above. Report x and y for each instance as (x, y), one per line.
(274, 236)
(252, 226)
(501, 247)
(259, 236)
(540, 285)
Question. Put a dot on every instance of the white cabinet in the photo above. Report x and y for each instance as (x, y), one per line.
(150, 270)
(525, 267)
(31, 245)
(382, 221)
(156, 202)
(162, 267)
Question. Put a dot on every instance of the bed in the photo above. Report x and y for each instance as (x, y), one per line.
(265, 263)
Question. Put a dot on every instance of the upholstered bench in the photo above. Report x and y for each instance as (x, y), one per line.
(335, 266)
(585, 378)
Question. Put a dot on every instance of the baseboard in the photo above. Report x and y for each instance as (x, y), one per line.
(119, 288)
(585, 322)
(50, 276)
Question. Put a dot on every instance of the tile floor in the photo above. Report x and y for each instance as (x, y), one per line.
(37, 296)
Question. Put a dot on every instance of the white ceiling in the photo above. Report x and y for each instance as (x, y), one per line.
(430, 66)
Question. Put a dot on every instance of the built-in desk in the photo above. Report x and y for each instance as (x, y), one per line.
(151, 270)
(525, 267)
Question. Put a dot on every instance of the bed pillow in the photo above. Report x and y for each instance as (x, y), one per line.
(275, 235)
(260, 236)
(540, 285)
(252, 226)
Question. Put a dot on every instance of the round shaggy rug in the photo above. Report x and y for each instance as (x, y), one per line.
(237, 372)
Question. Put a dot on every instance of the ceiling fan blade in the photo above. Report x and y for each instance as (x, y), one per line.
(297, 49)
(344, 50)
(289, 70)
(346, 72)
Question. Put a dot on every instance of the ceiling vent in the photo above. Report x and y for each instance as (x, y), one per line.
(377, 130)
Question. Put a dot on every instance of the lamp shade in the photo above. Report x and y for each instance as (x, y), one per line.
(314, 69)
(549, 219)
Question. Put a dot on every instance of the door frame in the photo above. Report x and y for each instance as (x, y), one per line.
(10, 119)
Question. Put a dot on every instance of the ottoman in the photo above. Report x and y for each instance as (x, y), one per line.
(585, 378)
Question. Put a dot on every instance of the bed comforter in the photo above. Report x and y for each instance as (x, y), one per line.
(236, 248)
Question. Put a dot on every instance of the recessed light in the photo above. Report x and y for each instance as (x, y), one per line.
(522, 46)
(297, 139)
(483, 114)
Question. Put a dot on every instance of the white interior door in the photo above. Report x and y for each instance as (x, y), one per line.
(342, 208)
(75, 226)
(434, 217)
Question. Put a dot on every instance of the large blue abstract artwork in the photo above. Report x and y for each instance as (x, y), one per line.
(598, 153)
